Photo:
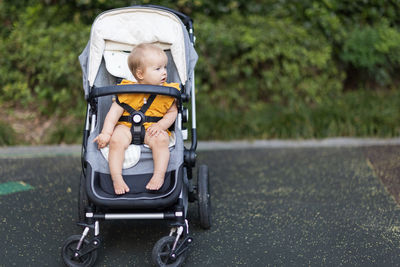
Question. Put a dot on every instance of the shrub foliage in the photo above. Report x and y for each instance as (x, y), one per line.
(267, 68)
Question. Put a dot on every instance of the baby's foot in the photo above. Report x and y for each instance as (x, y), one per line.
(155, 182)
(120, 186)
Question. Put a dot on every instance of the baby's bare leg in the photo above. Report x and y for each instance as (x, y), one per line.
(120, 140)
(159, 147)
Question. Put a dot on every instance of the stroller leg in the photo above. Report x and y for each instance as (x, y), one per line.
(173, 230)
(178, 236)
(93, 243)
(172, 249)
(78, 250)
(85, 233)
(180, 247)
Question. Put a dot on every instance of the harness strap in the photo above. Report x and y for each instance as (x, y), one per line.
(137, 129)
(125, 106)
(147, 119)
(146, 106)
(138, 133)
(143, 109)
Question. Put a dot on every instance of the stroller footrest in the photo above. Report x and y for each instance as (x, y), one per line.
(137, 216)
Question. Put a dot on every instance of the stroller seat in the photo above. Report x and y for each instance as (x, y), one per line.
(101, 189)
(112, 69)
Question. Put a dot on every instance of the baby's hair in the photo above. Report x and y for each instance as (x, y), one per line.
(135, 58)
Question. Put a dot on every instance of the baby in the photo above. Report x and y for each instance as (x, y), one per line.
(148, 64)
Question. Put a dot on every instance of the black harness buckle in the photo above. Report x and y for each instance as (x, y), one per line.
(137, 130)
(137, 118)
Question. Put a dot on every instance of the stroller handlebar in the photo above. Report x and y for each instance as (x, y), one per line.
(134, 88)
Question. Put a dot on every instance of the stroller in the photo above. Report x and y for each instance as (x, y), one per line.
(104, 63)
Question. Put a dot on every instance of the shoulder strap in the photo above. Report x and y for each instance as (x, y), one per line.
(146, 106)
(143, 109)
(125, 106)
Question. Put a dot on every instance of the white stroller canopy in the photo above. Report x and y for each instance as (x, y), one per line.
(120, 30)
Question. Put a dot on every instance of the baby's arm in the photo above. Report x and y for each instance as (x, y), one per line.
(165, 122)
(111, 120)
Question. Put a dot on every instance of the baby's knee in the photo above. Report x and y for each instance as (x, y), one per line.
(116, 142)
(121, 137)
(161, 140)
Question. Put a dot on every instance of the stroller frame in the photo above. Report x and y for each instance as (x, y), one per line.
(81, 250)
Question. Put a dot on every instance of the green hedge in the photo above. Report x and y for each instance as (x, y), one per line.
(278, 62)
(40, 65)
(266, 69)
(354, 113)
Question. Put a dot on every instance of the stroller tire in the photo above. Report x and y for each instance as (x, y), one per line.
(162, 250)
(69, 248)
(83, 200)
(204, 198)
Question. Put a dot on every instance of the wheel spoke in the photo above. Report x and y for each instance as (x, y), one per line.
(69, 251)
(162, 251)
(163, 254)
(167, 260)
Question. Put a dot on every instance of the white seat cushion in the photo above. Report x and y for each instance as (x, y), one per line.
(132, 153)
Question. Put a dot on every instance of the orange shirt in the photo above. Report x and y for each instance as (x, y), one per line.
(158, 108)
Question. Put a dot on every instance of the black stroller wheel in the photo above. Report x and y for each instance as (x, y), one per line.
(83, 200)
(204, 197)
(162, 250)
(68, 251)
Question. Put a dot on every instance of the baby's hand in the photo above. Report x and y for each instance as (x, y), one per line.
(102, 140)
(154, 130)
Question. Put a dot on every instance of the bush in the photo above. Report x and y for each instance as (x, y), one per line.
(354, 113)
(283, 64)
(7, 135)
(267, 69)
(39, 63)
(243, 68)
(364, 36)
(374, 51)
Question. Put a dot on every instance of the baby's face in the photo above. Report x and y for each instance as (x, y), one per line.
(155, 70)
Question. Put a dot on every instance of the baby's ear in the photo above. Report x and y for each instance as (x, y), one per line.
(139, 74)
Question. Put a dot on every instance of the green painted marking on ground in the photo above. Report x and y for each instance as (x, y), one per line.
(14, 187)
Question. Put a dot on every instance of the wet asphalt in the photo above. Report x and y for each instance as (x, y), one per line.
(293, 206)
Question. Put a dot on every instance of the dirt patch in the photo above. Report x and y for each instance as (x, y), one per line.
(385, 161)
(30, 127)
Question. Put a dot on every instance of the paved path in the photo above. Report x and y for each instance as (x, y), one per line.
(74, 150)
(282, 206)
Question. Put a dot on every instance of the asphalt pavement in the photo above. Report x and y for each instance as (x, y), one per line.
(273, 205)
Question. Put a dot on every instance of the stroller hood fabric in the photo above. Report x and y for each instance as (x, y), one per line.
(124, 28)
